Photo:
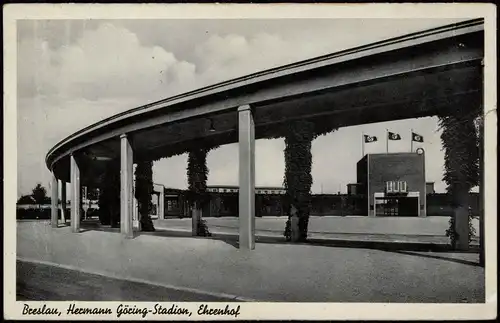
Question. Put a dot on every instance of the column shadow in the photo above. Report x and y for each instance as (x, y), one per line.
(95, 226)
(451, 259)
(232, 239)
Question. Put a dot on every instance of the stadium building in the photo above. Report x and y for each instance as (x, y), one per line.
(393, 184)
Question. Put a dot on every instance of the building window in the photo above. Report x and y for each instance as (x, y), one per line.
(172, 205)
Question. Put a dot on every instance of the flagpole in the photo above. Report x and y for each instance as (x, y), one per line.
(362, 144)
(411, 140)
(387, 140)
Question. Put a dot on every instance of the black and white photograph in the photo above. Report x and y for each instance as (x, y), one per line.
(175, 164)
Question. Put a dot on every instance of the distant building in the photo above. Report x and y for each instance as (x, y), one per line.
(429, 188)
(158, 203)
(224, 201)
(352, 189)
(393, 184)
(387, 185)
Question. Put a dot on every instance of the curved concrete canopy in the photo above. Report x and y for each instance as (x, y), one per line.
(410, 76)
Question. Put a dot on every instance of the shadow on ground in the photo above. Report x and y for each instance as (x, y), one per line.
(416, 249)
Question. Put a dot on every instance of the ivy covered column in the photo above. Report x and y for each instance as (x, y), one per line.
(143, 191)
(298, 178)
(246, 208)
(126, 187)
(197, 174)
(461, 170)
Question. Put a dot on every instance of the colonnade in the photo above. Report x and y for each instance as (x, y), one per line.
(246, 139)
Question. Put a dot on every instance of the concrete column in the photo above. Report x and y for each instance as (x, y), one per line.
(161, 204)
(294, 225)
(461, 214)
(75, 195)
(135, 217)
(217, 208)
(195, 218)
(54, 217)
(246, 141)
(126, 187)
(423, 212)
(63, 202)
(136, 224)
(82, 205)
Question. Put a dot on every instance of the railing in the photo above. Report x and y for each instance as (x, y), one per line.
(37, 206)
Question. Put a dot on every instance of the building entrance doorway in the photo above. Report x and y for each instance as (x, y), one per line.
(397, 206)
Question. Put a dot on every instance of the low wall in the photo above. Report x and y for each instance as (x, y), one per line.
(43, 212)
(35, 214)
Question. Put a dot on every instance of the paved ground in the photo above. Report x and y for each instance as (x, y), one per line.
(272, 272)
(430, 230)
(38, 282)
(428, 226)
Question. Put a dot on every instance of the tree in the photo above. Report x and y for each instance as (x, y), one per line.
(26, 199)
(39, 194)
(143, 191)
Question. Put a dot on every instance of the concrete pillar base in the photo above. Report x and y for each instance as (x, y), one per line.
(462, 228)
(161, 204)
(294, 228)
(195, 219)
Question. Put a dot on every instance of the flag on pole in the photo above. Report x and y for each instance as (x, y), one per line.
(393, 136)
(416, 137)
(370, 138)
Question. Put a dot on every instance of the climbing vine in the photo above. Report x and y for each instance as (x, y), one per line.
(461, 145)
(143, 191)
(453, 235)
(298, 178)
(197, 174)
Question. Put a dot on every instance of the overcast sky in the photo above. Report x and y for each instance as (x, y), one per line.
(72, 73)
